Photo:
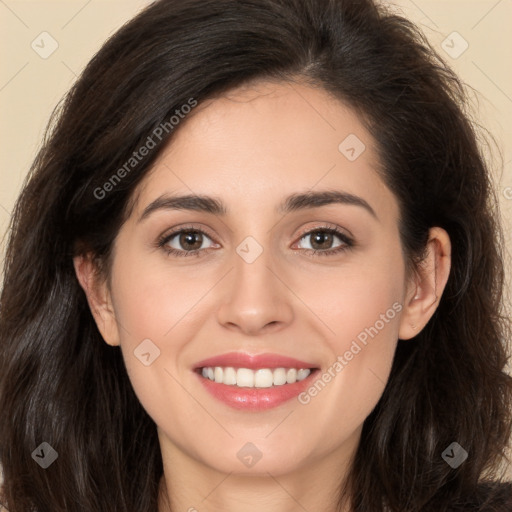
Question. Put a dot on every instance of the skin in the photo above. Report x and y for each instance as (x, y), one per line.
(252, 148)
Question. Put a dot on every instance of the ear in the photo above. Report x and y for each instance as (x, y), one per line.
(98, 297)
(426, 287)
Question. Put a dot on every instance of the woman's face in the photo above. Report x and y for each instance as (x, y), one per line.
(254, 285)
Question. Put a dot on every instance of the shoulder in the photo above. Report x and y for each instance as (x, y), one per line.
(488, 497)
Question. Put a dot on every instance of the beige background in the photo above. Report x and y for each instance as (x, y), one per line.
(31, 86)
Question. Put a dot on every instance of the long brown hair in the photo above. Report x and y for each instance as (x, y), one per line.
(61, 384)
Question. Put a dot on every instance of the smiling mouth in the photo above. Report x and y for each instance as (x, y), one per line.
(257, 378)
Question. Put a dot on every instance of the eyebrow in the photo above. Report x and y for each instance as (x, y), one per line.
(294, 202)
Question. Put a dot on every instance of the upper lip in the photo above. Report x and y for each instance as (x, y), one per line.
(244, 360)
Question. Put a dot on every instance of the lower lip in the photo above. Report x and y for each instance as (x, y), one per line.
(256, 399)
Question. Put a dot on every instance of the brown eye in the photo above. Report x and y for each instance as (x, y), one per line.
(321, 240)
(325, 241)
(191, 240)
(186, 242)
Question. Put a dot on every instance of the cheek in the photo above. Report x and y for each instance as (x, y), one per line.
(147, 308)
(362, 349)
(151, 299)
(156, 310)
(359, 299)
(363, 320)
(360, 307)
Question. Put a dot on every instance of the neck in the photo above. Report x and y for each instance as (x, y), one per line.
(189, 485)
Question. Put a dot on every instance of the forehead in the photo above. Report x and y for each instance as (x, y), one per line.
(267, 140)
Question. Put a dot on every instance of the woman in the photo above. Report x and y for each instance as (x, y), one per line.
(335, 341)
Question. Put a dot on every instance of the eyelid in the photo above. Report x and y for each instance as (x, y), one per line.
(327, 226)
(176, 230)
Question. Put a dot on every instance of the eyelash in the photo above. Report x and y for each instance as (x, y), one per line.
(348, 243)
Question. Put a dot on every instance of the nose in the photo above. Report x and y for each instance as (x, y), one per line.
(255, 300)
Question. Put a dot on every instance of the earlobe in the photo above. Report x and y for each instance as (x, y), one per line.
(98, 298)
(425, 290)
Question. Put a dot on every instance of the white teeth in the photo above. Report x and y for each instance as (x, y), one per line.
(229, 376)
(261, 378)
(291, 376)
(244, 377)
(217, 373)
(302, 374)
(279, 376)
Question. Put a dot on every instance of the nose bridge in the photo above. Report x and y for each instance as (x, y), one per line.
(252, 267)
(255, 298)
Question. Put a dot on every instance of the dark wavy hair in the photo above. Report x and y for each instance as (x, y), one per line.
(61, 383)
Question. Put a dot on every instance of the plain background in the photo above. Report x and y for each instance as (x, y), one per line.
(31, 86)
